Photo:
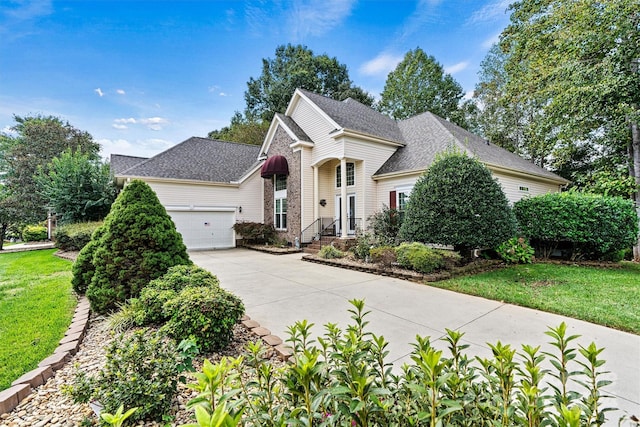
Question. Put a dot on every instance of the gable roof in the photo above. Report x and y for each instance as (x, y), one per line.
(426, 134)
(120, 162)
(199, 159)
(352, 115)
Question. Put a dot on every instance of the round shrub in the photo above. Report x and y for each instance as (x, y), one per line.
(416, 256)
(458, 202)
(383, 255)
(74, 237)
(34, 233)
(589, 225)
(516, 251)
(206, 314)
(330, 252)
(160, 290)
(138, 243)
(83, 268)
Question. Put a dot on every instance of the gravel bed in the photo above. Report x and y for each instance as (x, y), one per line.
(49, 406)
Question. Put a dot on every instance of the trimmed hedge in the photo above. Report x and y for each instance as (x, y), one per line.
(34, 233)
(584, 225)
(74, 237)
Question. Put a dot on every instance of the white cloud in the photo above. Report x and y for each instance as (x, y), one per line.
(129, 120)
(99, 92)
(317, 17)
(456, 68)
(382, 64)
(28, 9)
(491, 41)
(119, 126)
(120, 92)
(490, 12)
(153, 123)
(223, 94)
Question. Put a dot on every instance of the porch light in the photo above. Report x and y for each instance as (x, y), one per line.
(323, 202)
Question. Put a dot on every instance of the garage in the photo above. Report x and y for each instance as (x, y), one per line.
(209, 229)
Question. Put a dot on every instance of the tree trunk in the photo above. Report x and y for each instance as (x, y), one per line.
(634, 150)
(3, 233)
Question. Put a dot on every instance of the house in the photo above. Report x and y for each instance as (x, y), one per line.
(325, 165)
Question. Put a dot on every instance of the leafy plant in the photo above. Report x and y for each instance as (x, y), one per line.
(458, 202)
(516, 250)
(591, 226)
(140, 370)
(255, 232)
(34, 233)
(364, 243)
(330, 252)
(206, 314)
(74, 237)
(416, 256)
(342, 378)
(117, 419)
(385, 226)
(385, 256)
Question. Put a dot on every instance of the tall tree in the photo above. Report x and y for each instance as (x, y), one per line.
(297, 67)
(242, 129)
(579, 59)
(419, 84)
(37, 141)
(78, 187)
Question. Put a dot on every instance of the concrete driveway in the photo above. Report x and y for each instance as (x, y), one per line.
(280, 290)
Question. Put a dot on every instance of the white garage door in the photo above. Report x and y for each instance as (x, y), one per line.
(205, 229)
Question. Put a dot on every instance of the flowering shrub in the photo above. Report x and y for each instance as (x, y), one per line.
(516, 251)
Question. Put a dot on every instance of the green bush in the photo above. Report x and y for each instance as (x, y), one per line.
(344, 379)
(364, 243)
(204, 313)
(74, 237)
(385, 256)
(83, 268)
(161, 290)
(516, 250)
(34, 233)
(141, 370)
(458, 202)
(416, 256)
(589, 226)
(255, 232)
(385, 226)
(138, 242)
(330, 252)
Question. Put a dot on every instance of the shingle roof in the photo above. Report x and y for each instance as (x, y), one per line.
(293, 126)
(426, 134)
(352, 115)
(200, 159)
(120, 162)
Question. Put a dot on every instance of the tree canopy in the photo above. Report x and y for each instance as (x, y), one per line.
(419, 84)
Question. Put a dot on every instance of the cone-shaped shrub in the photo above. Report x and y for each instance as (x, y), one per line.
(458, 202)
(137, 243)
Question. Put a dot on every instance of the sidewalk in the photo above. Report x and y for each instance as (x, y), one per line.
(21, 247)
(280, 290)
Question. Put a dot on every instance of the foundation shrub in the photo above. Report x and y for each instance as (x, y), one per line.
(83, 268)
(34, 233)
(255, 232)
(516, 250)
(587, 226)
(364, 243)
(385, 225)
(417, 256)
(137, 243)
(343, 378)
(74, 237)
(208, 314)
(385, 256)
(330, 252)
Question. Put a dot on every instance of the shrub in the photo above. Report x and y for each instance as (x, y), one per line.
(416, 256)
(206, 314)
(344, 379)
(141, 370)
(34, 233)
(74, 237)
(364, 243)
(83, 268)
(516, 250)
(458, 202)
(383, 255)
(385, 225)
(330, 252)
(138, 242)
(255, 232)
(590, 226)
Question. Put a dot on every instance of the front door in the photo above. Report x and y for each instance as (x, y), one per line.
(351, 213)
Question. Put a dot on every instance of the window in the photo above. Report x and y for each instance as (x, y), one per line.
(280, 202)
(402, 196)
(526, 189)
(351, 175)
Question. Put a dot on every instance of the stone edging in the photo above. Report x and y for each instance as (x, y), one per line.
(283, 351)
(22, 387)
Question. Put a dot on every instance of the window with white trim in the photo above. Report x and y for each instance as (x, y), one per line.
(351, 175)
(280, 202)
(402, 198)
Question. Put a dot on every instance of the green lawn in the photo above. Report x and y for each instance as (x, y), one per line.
(606, 296)
(36, 307)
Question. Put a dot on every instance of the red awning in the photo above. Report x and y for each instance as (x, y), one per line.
(275, 165)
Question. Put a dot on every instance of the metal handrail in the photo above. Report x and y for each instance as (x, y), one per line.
(326, 227)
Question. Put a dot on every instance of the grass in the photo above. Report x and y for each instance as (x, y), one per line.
(36, 307)
(606, 296)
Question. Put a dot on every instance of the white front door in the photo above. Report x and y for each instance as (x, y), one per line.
(351, 214)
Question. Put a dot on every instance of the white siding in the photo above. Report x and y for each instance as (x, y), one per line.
(511, 185)
(318, 129)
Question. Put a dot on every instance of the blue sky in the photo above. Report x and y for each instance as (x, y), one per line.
(144, 75)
